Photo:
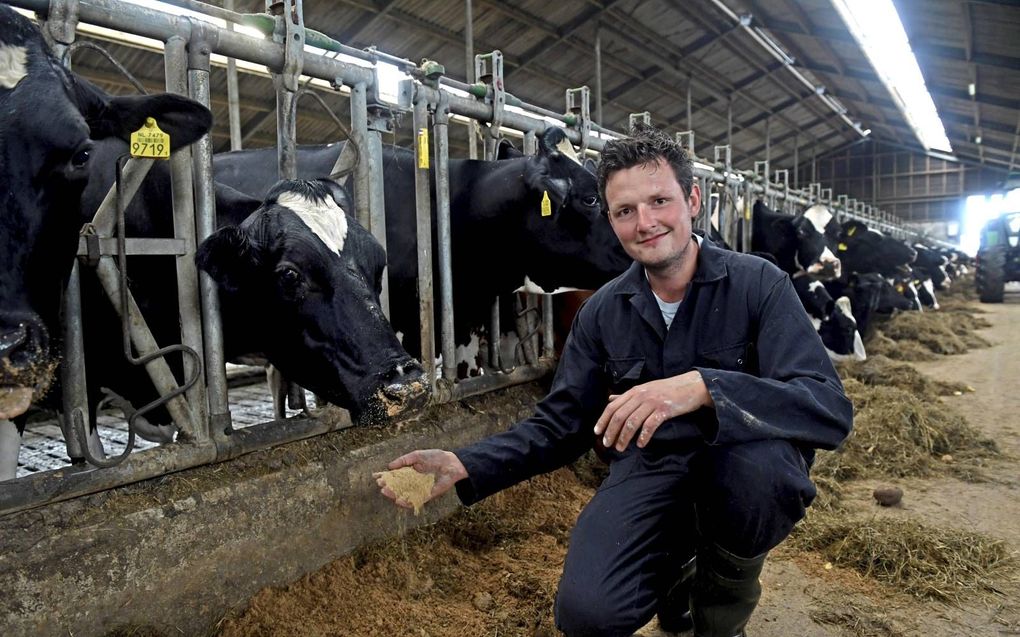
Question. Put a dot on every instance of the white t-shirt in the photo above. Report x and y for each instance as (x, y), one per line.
(669, 309)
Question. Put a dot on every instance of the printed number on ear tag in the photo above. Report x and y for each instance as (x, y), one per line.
(546, 205)
(149, 141)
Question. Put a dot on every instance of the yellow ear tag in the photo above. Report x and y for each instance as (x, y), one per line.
(423, 148)
(899, 288)
(851, 231)
(546, 204)
(149, 141)
(841, 247)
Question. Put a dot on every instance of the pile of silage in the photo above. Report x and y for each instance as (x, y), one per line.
(882, 371)
(898, 434)
(926, 561)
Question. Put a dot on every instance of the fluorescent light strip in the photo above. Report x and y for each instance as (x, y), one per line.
(878, 30)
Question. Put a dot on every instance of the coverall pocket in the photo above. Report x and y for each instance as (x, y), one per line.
(624, 373)
(738, 357)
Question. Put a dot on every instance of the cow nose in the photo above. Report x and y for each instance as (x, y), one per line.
(406, 385)
(24, 343)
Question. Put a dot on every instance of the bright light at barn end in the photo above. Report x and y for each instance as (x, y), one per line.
(878, 30)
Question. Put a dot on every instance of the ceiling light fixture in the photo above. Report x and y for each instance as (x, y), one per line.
(878, 30)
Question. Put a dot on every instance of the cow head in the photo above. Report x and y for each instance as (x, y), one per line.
(309, 277)
(568, 242)
(816, 230)
(839, 334)
(50, 119)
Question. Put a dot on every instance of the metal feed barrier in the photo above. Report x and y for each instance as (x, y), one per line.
(202, 413)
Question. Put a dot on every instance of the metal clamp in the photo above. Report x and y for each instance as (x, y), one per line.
(61, 24)
(489, 70)
(826, 194)
(644, 117)
(686, 139)
(726, 151)
(579, 104)
(290, 32)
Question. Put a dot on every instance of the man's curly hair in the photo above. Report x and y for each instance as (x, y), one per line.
(646, 144)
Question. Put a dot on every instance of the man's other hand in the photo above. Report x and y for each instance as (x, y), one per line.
(444, 465)
(642, 409)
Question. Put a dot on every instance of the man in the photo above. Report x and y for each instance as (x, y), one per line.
(709, 388)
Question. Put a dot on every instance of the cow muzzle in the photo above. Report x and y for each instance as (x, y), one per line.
(26, 369)
(405, 388)
(827, 270)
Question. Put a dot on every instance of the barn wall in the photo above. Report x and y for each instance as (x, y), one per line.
(175, 554)
(915, 187)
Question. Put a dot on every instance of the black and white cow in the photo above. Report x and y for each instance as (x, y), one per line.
(500, 235)
(800, 243)
(871, 293)
(863, 250)
(50, 120)
(833, 320)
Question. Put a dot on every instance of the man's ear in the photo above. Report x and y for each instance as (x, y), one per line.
(228, 256)
(695, 199)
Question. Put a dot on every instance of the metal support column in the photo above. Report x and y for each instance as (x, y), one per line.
(183, 198)
(359, 136)
(199, 50)
(379, 122)
(443, 230)
(423, 206)
(233, 101)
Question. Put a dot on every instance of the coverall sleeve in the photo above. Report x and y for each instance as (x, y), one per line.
(797, 396)
(560, 430)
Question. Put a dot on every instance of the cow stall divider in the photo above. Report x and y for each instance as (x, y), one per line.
(433, 101)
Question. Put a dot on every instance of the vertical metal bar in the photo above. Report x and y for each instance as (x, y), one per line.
(796, 161)
(469, 53)
(377, 192)
(495, 332)
(61, 28)
(729, 122)
(233, 103)
(205, 224)
(548, 338)
(690, 124)
(359, 135)
(176, 64)
(441, 129)
(598, 74)
(768, 139)
(423, 207)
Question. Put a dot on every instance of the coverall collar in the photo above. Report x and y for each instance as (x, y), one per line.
(711, 267)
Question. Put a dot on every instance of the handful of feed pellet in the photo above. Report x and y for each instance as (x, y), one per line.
(409, 485)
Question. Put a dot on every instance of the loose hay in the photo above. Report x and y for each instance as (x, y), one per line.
(903, 350)
(879, 370)
(860, 622)
(509, 547)
(897, 434)
(926, 561)
(409, 485)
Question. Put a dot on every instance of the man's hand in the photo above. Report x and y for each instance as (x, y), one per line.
(645, 407)
(444, 465)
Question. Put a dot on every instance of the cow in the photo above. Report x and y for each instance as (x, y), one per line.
(501, 231)
(800, 243)
(863, 250)
(299, 282)
(51, 120)
(870, 293)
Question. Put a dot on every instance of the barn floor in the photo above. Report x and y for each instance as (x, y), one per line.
(493, 569)
(43, 449)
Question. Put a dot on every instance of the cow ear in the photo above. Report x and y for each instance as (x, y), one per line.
(551, 139)
(225, 256)
(591, 165)
(185, 120)
(505, 149)
(539, 175)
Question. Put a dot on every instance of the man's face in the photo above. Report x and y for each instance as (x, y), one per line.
(650, 214)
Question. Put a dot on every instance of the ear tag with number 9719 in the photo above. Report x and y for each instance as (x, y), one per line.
(149, 141)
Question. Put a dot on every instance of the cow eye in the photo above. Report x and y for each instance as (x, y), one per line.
(591, 202)
(81, 158)
(289, 277)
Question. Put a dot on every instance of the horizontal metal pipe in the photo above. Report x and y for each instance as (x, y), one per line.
(490, 382)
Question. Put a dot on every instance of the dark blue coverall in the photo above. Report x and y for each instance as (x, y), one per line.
(735, 475)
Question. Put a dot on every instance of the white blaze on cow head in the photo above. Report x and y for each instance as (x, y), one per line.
(325, 218)
(12, 65)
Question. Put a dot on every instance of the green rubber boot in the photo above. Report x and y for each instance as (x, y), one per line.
(675, 611)
(725, 592)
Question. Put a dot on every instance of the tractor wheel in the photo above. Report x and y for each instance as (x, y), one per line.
(990, 275)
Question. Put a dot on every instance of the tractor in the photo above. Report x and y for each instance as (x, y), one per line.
(998, 258)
